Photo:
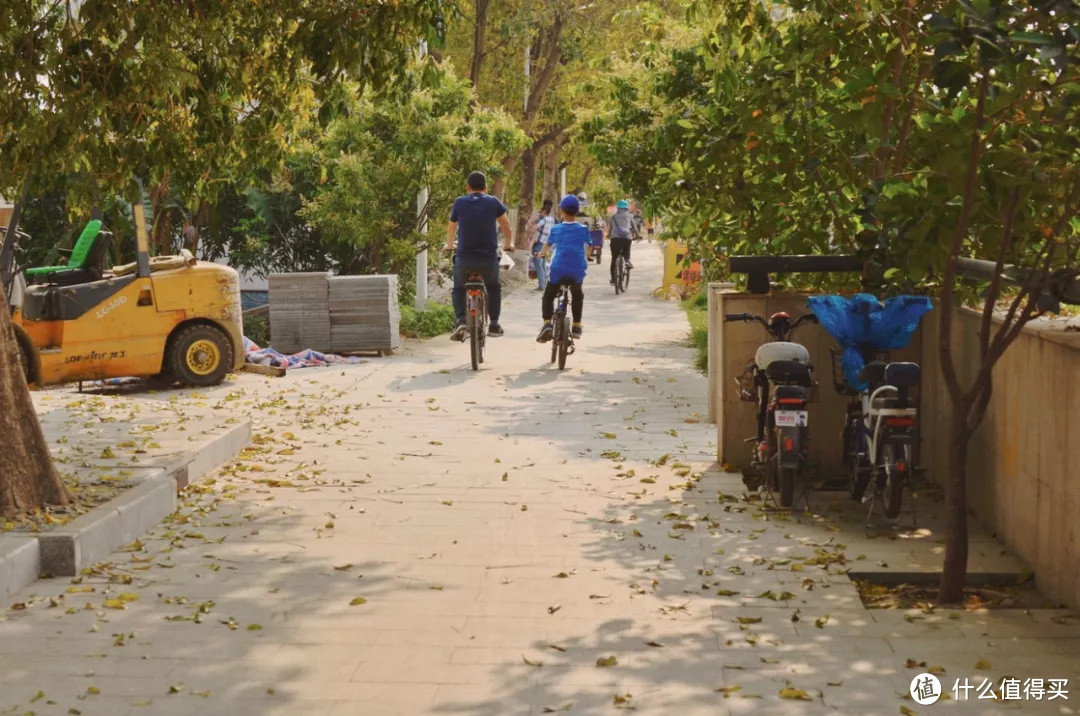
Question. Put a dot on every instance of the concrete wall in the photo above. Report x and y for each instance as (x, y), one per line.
(735, 346)
(1024, 461)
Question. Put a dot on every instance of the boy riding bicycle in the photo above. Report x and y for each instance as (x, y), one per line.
(571, 243)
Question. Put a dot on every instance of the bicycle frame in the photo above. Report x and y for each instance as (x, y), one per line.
(562, 340)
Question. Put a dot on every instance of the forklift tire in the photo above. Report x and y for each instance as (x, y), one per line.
(26, 356)
(200, 356)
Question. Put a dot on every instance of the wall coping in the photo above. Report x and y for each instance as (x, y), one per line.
(1063, 331)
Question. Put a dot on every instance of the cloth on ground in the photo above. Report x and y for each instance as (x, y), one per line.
(304, 359)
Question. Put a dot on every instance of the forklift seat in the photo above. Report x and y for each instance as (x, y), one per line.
(87, 262)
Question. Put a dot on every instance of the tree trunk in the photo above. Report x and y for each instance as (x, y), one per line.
(551, 171)
(479, 41)
(954, 570)
(498, 189)
(27, 477)
(161, 228)
(527, 203)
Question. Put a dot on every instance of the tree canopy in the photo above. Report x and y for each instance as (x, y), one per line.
(189, 94)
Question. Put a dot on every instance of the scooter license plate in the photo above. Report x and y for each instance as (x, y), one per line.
(792, 418)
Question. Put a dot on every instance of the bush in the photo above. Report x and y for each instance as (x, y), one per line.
(432, 320)
(698, 314)
(257, 329)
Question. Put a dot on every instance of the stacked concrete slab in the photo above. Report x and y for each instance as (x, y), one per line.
(364, 314)
(334, 314)
(299, 318)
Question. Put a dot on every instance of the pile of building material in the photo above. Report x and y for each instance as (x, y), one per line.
(364, 313)
(334, 314)
(299, 316)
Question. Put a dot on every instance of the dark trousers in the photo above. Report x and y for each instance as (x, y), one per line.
(490, 273)
(577, 299)
(618, 247)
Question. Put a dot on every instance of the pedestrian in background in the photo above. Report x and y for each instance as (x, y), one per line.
(540, 230)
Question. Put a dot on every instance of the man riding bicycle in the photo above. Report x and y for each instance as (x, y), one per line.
(473, 222)
(620, 231)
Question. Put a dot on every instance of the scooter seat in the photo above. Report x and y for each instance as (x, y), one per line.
(789, 372)
(873, 373)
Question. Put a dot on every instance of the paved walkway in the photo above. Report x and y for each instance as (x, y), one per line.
(409, 537)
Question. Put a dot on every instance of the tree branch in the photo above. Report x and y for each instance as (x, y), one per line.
(948, 297)
(995, 281)
(552, 55)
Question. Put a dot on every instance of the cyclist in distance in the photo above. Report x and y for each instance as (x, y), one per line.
(474, 219)
(571, 241)
(620, 231)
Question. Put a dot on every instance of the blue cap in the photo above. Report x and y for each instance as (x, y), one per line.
(623, 204)
(570, 204)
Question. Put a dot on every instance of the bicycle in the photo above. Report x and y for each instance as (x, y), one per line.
(476, 316)
(562, 341)
(622, 275)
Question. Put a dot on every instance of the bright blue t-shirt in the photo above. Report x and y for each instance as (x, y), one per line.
(570, 241)
(475, 214)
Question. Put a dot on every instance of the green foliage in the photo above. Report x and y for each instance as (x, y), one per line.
(432, 320)
(697, 313)
(859, 128)
(186, 93)
(257, 328)
(375, 159)
(347, 199)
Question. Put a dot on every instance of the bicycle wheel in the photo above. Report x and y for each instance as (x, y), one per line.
(625, 277)
(564, 342)
(483, 325)
(620, 267)
(555, 338)
(896, 467)
(861, 470)
(474, 341)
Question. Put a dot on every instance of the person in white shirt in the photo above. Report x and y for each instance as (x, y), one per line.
(541, 229)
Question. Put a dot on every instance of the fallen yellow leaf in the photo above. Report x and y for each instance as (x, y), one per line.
(794, 694)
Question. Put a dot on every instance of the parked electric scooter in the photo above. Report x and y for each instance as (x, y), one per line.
(880, 425)
(879, 435)
(779, 380)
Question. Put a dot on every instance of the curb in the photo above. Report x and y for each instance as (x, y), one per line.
(931, 579)
(91, 537)
(20, 558)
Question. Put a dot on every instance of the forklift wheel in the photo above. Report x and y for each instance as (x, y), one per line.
(200, 356)
(26, 354)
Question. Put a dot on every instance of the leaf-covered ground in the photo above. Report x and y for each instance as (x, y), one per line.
(407, 536)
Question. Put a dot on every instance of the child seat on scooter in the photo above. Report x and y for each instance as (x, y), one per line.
(902, 375)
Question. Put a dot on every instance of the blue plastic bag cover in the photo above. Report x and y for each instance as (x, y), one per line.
(862, 322)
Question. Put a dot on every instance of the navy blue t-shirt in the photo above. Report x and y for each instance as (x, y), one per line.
(475, 215)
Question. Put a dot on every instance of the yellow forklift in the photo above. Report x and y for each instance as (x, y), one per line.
(174, 318)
